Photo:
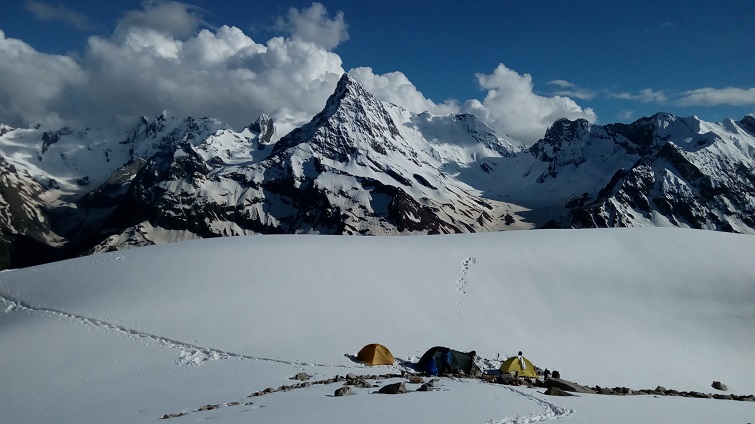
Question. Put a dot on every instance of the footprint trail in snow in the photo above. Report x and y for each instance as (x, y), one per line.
(189, 354)
(461, 288)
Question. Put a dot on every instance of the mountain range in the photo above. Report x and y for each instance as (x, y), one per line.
(362, 166)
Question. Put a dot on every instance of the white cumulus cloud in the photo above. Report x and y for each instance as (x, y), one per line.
(511, 106)
(313, 25)
(396, 88)
(165, 57)
(151, 64)
(34, 85)
(175, 18)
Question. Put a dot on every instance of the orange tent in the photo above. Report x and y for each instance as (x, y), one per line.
(376, 354)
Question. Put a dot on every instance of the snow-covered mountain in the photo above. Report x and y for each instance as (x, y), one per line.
(667, 171)
(362, 166)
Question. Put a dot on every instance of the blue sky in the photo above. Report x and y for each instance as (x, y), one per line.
(517, 64)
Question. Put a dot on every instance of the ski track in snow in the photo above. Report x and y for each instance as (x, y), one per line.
(461, 287)
(189, 354)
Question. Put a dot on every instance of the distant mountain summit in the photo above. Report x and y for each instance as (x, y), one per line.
(665, 171)
(362, 166)
(353, 122)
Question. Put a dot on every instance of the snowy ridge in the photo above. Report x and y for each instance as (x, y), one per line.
(362, 166)
(696, 175)
(351, 170)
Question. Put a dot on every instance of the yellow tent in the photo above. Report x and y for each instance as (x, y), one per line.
(376, 354)
(513, 364)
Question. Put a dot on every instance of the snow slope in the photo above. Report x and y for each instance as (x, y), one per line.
(126, 337)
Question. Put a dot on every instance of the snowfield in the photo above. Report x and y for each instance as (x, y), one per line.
(130, 336)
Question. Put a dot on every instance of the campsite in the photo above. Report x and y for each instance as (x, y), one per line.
(197, 328)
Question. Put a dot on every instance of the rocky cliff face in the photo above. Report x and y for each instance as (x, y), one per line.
(675, 172)
(26, 234)
(362, 166)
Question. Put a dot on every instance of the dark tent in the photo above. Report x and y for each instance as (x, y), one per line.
(457, 361)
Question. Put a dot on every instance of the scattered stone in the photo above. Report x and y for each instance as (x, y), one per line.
(424, 388)
(360, 383)
(623, 390)
(415, 379)
(168, 416)
(698, 395)
(393, 389)
(302, 376)
(555, 391)
(555, 387)
(567, 385)
(489, 378)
